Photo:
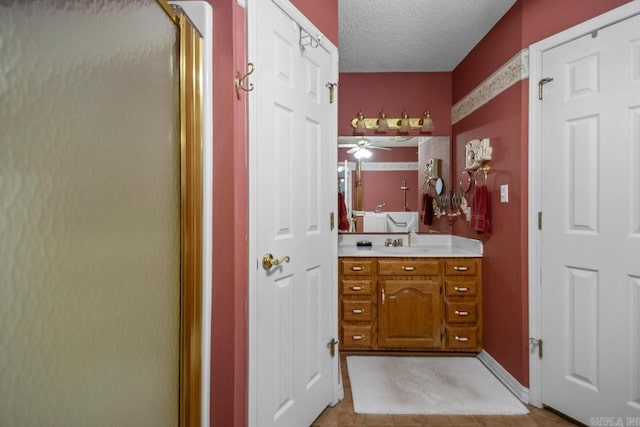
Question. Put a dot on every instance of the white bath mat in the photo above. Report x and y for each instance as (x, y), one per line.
(427, 385)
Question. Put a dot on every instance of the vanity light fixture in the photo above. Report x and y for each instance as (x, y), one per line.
(383, 124)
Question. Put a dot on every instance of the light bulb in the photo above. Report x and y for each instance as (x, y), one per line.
(404, 124)
(383, 126)
(427, 123)
(360, 126)
(363, 153)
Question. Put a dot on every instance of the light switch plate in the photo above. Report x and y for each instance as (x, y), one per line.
(504, 193)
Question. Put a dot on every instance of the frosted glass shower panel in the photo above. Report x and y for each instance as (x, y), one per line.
(90, 214)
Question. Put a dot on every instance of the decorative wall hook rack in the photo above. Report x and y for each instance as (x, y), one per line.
(241, 81)
(307, 39)
(402, 124)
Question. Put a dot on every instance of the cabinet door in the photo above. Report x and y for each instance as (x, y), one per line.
(410, 314)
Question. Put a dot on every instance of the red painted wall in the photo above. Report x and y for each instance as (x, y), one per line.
(544, 18)
(504, 120)
(323, 14)
(230, 278)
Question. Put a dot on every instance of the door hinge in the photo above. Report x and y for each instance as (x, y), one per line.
(542, 83)
(332, 86)
(539, 220)
(332, 346)
(332, 221)
(537, 342)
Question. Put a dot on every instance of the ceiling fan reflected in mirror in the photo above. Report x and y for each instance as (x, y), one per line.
(361, 149)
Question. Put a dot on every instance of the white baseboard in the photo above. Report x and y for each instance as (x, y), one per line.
(504, 376)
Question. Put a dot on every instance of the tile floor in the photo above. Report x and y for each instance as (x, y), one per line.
(342, 415)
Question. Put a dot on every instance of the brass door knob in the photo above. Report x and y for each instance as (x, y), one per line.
(269, 261)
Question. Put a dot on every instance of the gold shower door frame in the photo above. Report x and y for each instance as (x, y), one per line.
(191, 217)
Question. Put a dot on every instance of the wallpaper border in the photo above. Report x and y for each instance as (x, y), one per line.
(513, 71)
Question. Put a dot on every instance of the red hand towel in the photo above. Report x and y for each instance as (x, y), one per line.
(343, 222)
(480, 214)
(427, 209)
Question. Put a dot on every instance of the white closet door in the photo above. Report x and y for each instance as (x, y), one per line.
(591, 231)
(295, 190)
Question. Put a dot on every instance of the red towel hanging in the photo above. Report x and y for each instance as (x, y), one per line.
(480, 211)
(427, 209)
(343, 222)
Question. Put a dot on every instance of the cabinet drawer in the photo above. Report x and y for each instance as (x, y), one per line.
(461, 312)
(357, 287)
(460, 288)
(462, 338)
(460, 266)
(356, 266)
(409, 267)
(356, 336)
(356, 310)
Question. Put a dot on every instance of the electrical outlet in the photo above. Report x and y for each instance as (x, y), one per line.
(504, 193)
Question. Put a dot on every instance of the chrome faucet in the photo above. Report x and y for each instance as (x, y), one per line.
(379, 207)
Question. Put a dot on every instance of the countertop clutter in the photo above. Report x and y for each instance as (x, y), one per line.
(407, 245)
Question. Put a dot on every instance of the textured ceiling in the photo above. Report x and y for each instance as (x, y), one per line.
(413, 35)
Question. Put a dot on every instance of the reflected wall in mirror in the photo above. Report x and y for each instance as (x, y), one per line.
(393, 175)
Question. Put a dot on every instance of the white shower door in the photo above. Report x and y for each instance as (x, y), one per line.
(89, 214)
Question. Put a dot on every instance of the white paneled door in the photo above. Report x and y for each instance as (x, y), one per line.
(590, 242)
(294, 160)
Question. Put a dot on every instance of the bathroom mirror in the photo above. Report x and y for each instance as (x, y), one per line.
(393, 173)
(465, 181)
(439, 186)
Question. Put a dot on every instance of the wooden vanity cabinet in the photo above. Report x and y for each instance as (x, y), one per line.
(357, 309)
(463, 304)
(409, 304)
(432, 304)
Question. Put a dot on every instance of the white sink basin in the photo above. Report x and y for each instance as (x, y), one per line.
(399, 250)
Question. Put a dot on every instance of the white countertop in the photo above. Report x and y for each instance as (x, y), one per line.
(425, 246)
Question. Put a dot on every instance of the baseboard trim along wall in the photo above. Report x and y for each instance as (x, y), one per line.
(504, 376)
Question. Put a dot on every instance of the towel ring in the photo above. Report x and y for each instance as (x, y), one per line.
(485, 170)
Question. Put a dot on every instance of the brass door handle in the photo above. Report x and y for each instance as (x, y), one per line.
(269, 261)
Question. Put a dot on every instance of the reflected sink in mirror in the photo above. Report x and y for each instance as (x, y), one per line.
(390, 222)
